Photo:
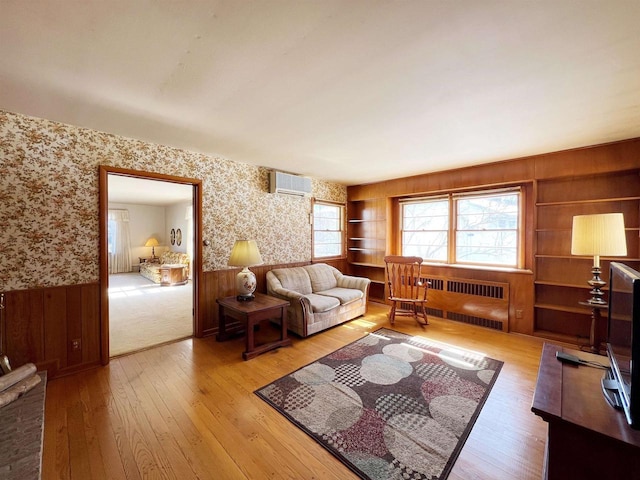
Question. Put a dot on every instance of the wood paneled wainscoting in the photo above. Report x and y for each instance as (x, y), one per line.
(57, 328)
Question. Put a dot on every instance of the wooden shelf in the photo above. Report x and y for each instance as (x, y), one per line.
(371, 265)
(586, 286)
(563, 308)
(366, 231)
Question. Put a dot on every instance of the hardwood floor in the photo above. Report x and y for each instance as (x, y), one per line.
(187, 410)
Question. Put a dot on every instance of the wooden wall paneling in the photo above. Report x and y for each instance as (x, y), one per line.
(393, 239)
(208, 304)
(564, 270)
(520, 292)
(470, 303)
(573, 328)
(529, 225)
(339, 263)
(55, 325)
(488, 175)
(563, 296)
(73, 320)
(42, 322)
(556, 187)
(24, 327)
(555, 217)
(521, 298)
(261, 278)
(90, 298)
(590, 187)
(623, 155)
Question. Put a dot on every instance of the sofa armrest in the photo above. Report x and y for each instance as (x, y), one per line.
(285, 294)
(348, 281)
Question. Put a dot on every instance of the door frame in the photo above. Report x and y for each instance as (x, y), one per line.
(105, 171)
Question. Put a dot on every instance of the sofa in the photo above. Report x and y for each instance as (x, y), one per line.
(152, 270)
(320, 296)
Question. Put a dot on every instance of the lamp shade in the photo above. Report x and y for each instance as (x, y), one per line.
(601, 234)
(245, 253)
(152, 242)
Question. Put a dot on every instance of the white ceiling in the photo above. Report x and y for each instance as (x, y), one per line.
(352, 91)
(140, 191)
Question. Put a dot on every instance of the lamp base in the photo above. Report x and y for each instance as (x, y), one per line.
(245, 298)
(596, 284)
(245, 285)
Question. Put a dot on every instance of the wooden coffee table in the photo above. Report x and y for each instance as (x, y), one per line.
(263, 307)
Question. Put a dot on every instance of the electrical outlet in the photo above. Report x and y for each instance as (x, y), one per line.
(75, 344)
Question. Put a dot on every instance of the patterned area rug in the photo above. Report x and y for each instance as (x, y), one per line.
(389, 406)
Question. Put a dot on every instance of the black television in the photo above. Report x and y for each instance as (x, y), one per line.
(623, 340)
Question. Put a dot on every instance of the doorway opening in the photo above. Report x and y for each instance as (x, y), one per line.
(150, 260)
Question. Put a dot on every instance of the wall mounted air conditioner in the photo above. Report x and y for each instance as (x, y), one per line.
(280, 182)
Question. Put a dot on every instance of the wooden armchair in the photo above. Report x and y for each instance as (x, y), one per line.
(407, 291)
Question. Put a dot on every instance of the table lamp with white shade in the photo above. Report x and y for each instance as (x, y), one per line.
(598, 235)
(153, 243)
(245, 254)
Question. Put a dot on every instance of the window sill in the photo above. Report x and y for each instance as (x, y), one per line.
(487, 268)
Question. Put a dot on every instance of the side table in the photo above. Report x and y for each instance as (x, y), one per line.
(263, 307)
(149, 259)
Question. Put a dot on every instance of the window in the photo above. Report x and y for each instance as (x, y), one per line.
(111, 236)
(425, 229)
(481, 228)
(328, 229)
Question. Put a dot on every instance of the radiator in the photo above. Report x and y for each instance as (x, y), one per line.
(475, 302)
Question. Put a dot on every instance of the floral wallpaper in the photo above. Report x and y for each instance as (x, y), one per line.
(49, 181)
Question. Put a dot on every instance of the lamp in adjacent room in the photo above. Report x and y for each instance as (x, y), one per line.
(245, 254)
(598, 235)
(153, 243)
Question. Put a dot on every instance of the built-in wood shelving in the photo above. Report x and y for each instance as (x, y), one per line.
(561, 278)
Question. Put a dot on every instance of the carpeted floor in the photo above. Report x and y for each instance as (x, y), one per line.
(390, 405)
(143, 313)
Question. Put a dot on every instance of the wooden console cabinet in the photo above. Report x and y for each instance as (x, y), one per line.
(587, 439)
(173, 274)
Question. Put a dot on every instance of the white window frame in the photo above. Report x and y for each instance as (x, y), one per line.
(341, 207)
(452, 247)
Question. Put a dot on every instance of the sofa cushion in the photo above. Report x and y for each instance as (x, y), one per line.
(322, 277)
(174, 258)
(322, 303)
(294, 278)
(344, 295)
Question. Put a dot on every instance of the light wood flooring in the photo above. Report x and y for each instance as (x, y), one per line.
(187, 410)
